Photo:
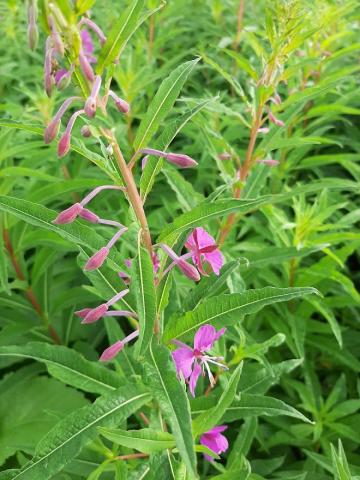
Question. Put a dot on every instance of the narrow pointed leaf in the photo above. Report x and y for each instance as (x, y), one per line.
(228, 309)
(66, 440)
(162, 103)
(146, 440)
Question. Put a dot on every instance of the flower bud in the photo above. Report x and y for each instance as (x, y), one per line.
(51, 130)
(86, 67)
(63, 78)
(97, 259)
(64, 144)
(269, 161)
(95, 313)
(89, 215)
(85, 131)
(183, 161)
(275, 120)
(82, 313)
(144, 162)
(122, 105)
(111, 351)
(68, 215)
(188, 270)
(90, 107)
(33, 36)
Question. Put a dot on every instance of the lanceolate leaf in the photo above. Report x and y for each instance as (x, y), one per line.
(142, 282)
(213, 416)
(146, 440)
(254, 405)
(67, 365)
(119, 34)
(65, 441)
(162, 103)
(228, 309)
(208, 211)
(171, 396)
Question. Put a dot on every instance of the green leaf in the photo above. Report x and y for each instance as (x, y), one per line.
(162, 103)
(213, 416)
(29, 407)
(143, 287)
(67, 365)
(65, 441)
(208, 211)
(255, 405)
(228, 309)
(119, 34)
(146, 440)
(169, 393)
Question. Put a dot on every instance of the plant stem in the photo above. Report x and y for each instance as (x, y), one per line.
(240, 16)
(133, 194)
(131, 456)
(244, 172)
(29, 292)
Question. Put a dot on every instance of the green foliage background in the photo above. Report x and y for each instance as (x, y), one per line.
(291, 399)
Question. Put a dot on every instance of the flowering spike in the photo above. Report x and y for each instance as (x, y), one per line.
(89, 216)
(64, 142)
(68, 215)
(97, 259)
(121, 104)
(95, 313)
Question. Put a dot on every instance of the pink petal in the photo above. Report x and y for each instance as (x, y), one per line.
(111, 351)
(205, 338)
(214, 441)
(183, 358)
(218, 429)
(194, 378)
(215, 259)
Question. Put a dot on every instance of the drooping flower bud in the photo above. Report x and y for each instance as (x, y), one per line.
(63, 77)
(85, 131)
(181, 160)
(120, 104)
(86, 67)
(269, 161)
(91, 102)
(52, 129)
(33, 33)
(95, 313)
(97, 259)
(68, 215)
(188, 270)
(82, 313)
(111, 351)
(58, 43)
(64, 142)
(93, 26)
(275, 120)
(89, 216)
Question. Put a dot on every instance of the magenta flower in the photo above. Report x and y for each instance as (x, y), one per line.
(190, 362)
(215, 441)
(204, 249)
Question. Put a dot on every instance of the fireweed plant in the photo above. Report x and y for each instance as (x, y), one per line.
(163, 360)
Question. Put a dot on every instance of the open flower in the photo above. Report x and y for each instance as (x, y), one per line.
(215, 441)
(204, 249)
(191, 362)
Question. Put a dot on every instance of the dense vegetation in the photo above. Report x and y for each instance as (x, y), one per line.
(216, 274)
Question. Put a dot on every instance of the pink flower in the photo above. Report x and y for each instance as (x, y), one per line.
(215, 441)
(190, 362)
(204, 248)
